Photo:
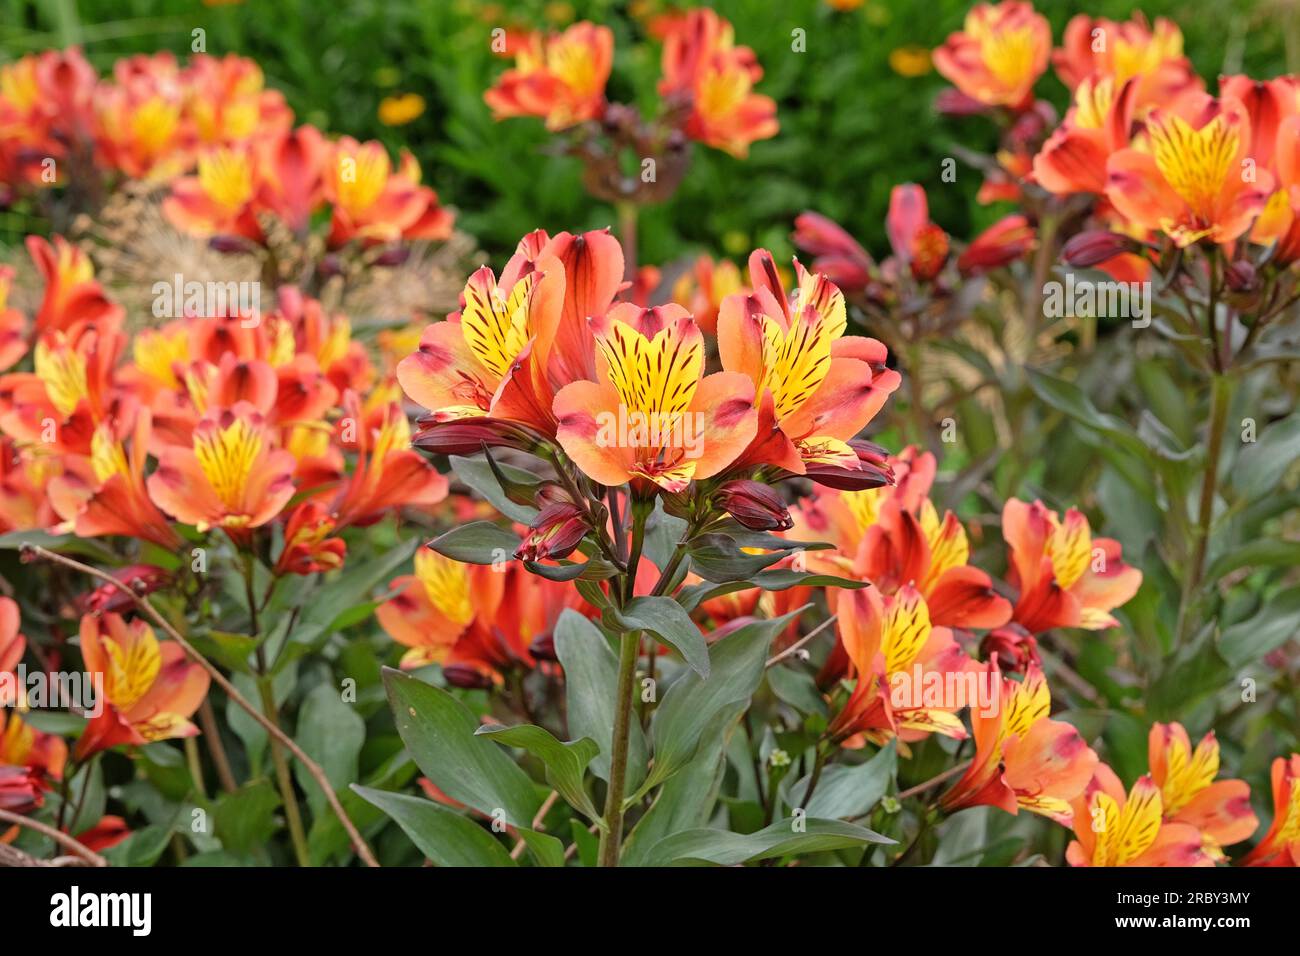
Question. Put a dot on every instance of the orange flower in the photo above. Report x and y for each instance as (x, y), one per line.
(901, 548)
(893, 647)
(376, 204)
(141, 130)
(918, 244)
(22, 745)
(12, 646)
(1274, 111)
(218, 200)
(13, 326)
(704, 287)
(1281, 845)
(560, 77)
(653, 417)
(1113, 830)
(232, 476)
(1000, 53)
(1220, 809)
(112, 499)
(150, 689)
(815, 387)
(1023, 759)
(388, 473)
(491, 357)
(1183, 174)
(73, 299)
(1153, 58)
(226, 100)
(1074, 157)
(432, 608)
(308, 545)
(1066, 577)
(704, 69)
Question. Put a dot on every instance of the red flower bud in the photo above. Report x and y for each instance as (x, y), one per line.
(1241, 276)
(1014, 649)
(108, 598)
(543, 647)
(1005, 241)
(468, 436)
(754, 505)
(1095, 246)
(558, 530)
(466, 676)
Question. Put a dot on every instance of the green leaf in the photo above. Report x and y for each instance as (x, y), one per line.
(692, 703)
(1272, 627)
(439, 731)
(62, 543)
(479, 542)
(1260, 465)
(587, 842)
(245, 819)
(776, 579)
(141, 848)
(1261, 553)
(590, 683)
(797, 688)
(478, 474)
(846, 792)
(333, 734)
(668, 620)
(719, 558)
(1071, 400)
(724, 848)
(545, 849)
(444, 836)
(566, 764)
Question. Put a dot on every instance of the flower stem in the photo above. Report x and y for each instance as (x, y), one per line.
(611, 837)
(1221, 396)
(627, 221)
(291, 812)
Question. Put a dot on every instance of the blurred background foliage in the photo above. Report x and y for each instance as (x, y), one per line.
(855, 108)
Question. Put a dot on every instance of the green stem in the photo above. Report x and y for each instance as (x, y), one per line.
(627, 217)
(1221, 396)
(611, 837)
(282, 778)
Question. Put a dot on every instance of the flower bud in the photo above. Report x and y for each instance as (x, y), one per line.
(754, 505)
(542, 647)
(1005, 241)
(466, 676)
(558, 530)
(1241, 276)
(392, 257)
(1095, 246)
(1014, 649)
(468, 436)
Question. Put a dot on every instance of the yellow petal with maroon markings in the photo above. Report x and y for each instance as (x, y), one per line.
(905, 629)
(1195, 163)
(795, 360)
(496, 327)
(1139, 822)
(654, 376)
(1070, 548)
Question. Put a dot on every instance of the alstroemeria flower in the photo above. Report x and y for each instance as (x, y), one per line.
(999, 54)
(112, 498)
(12, 646)
(389, 474)
(217, 200)
(902, 548)
(1182, 175)
(491, 357)
(919, 245)
(703, 67)
(1132, 50)
(1111, 829)
(22, 745)
(892, 645)
(816, 388)
(1219, 809)
(1281, 844)
(140, 123)
(227, 100)
(1274, 109)
(1074, 157)
(560, 77)
(837, 255)
(73, 299)
(1067, 578)
(151, 688)
(310, 546)
(232, 476)
(375, 203)
(13, 325)
(1023, 759)
(1000, 244)
(704, 287)
(653, 417)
